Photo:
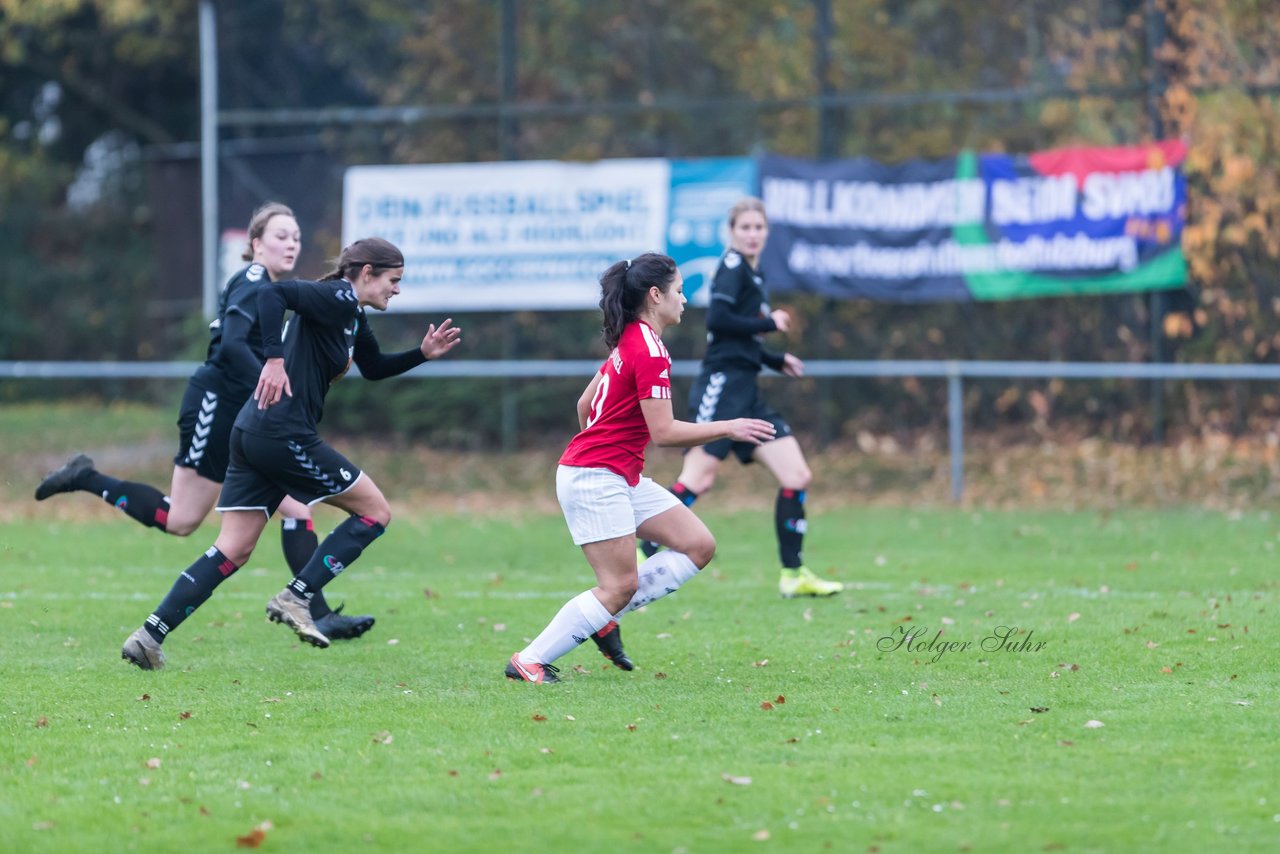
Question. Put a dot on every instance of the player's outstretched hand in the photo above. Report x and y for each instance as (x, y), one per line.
(751, 430)
(273, 383)
(792, 366)
(781, 319)
(440, 339)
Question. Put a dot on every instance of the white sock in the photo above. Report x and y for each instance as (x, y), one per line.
(661, 574)
(580, 618)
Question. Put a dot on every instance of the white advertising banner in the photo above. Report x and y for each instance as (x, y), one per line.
(512, 235)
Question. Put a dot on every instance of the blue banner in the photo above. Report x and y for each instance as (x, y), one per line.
(702, 191)
(978, 227)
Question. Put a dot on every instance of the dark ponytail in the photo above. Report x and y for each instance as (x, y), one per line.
(374, 251)
(624, 286)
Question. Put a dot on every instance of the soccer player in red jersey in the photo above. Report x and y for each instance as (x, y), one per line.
(605, 498)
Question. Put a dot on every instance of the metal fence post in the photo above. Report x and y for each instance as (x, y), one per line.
(955, 428)
(209, 157)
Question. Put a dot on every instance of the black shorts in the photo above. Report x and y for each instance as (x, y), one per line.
(723, 395)
(264, 470)
(204, 431)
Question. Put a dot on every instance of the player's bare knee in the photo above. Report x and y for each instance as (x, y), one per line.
(798, 480)
(699, 485)
(702, 551)
(382, 515)
(179, 525)
(238, 556)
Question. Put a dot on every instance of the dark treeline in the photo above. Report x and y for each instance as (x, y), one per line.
(99, 215)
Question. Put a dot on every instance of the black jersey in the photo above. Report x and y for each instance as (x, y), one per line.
(737, 318)
(329, 330)
(235, 358)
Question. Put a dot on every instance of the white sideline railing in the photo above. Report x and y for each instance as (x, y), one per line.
(954, 372)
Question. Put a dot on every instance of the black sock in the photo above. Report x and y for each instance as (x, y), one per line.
(189, 591)
(687, 496)
(299, 541)
(338, 551)
(788, 515)
(145, 504)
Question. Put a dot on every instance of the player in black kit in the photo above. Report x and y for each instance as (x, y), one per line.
(276, 451)
(213, 398)
(737, 319)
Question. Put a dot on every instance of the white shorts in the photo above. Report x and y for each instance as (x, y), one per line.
(599, 505)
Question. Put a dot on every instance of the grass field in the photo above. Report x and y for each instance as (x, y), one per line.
(751, 724)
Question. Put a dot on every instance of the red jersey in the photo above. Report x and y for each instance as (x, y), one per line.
(616, 434)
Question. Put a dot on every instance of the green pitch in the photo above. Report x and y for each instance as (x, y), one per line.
(1100, 683)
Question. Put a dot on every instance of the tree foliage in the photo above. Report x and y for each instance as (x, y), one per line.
(90, 88)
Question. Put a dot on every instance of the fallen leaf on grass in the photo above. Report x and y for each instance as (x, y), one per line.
(760, 836)
(767, 706)
(1065, 743)
(1039, 710)
(383, 737)
(495, 774)
(631, 727)
(764, 662)
(184, 716)
(145, 697)
(153, 762)
(737, 781)
(255, 837)
(1071, 618)
(31, 763)
(429, 593)
(393, 642)
(780, 700)
(42, 721)
(1093, 724)
(659, 675)
(1243, 702)
(539, 717)
(570, 718)
(808, 615)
